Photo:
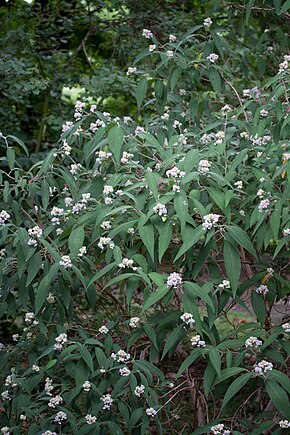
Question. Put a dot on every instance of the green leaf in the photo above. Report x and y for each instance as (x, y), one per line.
(215, 79)
(101, 273)
(285, 7)
(281, 378)
(215, 359)
(20, 142)
(208, 379)
(180, 205)
(228, 373)
(141, 91)
(258, 305)
(76, 240)
(33, 268)
(151, 334)
(235, 387)
(151, 179)
(200, 292)
(195, 235)
(44, 287)
(86, 356)
(10, 157)
(119, 278)
(174, 339)
(147, 235)
(279, 397)
(115, 141)
(155, 297)
(249, 9)
(242, 238)
(188, 361)
(218, 196)
(232, 265)
(164, 240)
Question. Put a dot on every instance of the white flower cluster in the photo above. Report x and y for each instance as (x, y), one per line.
(160, 209)
(87, 386)
(147, 34)
(264, 113)
(124, 371)
(286, 232)
(284, 424)
(253, 342)
(263, 367)
(74, 168)
(35, 233)
(169, 54)
(252, 93)
(56, 214)
(60, 341)
(127, 262)
(29, 317)
(239, 184)
(82, 251)
(67, 126)
(121, 356)
(225, 110)
(152, 47)
(106, 225)
(207, 22)
(139, 390)
(219, 137)
(256, 140)
(48, 432)
(203, 166)
(213, 57)
(209, 220)
(286, 156)
(65, 149)
(126, 157)
(94, 126)
(90, 419)
(60, 417)
(187, 318)
(103, 330)
(286, 327)
(196, 341)
(225, 284)
(134, 322)
(5, 395)
(101, 156)
(106, 241)
(5, 430)
(174, 280)
(283, 66)
(175, 173)
(48, 386)
(65, 261)
(4, 216)
(55, 401)
(131, 70)
(10, 380)
(151, 412)
(219, 429)
(107, 400)
(262, 289)
(172, 38)
(263, 205)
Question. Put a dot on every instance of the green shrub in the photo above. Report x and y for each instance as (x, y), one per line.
(125, 248)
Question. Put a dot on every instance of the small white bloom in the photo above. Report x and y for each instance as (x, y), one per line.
(126, 157)
(204, 166)
(160, 209)
(264, 204)
(239, 184)
(286, 232)
(264, 113)
(176, 188)
(151, 412)
(107, 401)
(103, 330)
(172, 38)
(147, 34)
(263, 367)
(187, 318)
(35, 368)
(90, 419)
(55, 401)
(5, 395)
(207, 22)
(152, 48)
(106, 241)
(284, 424)
(134, 322)
(263, 290)
(15, 337)
(121, 356)
(253, 342)
(286, 327)
(139, 390)
(175, 173)
(174, 280)
(82, 251)
(213, 57)
(65, 261)
(108, 189)
(169, 53)
(29, 317)
(4, 216)
(124, 371)
(60, 417)
(210, 220)
(87, 386)
(196, 341)
(5, 430)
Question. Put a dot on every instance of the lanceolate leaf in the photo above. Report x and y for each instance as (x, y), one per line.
(232, 265)
(242, 238)
(235, 387)
(115, 141)
(190, 241)
(147, 235)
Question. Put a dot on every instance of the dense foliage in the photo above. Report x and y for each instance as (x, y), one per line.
(143, 256)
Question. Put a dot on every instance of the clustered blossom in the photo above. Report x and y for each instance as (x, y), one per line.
(172, 38)
(4, 216)
(94, 126)
(65, 261)
(87, 386)
(160, 209)
(79, 106)
(174, 280)
(256, 140)
(82, 251)
(264, 113)
(127, 262)
(101, 156)
(284, 424)
(126, 157)
(60, 417)
(209, 220)
(60, 341)
(106, 225)
(35, 233)
(264, 204)
(5, 430)
(253, 342)
(48, 432)
(147, 34)
(196, 341)
(134, 322)
(203, 166)
(139, 390)
(176, 188)
(239, 184)
(169, 53)
(67, 126)
(56, 214)
(35, 368)
(286, 232)
(29, 317)
(55, 401)
(48, 386)
(103, 330)
(107, 400)
(187, 318)
(131, 230)
(65, 149)
(152, 47)
(219, 137)
(106, 241)
(90, 419)
(263, 367)
(121, 356)
(252, 93)
(213, 57)
(262, 290)
(5, 395)
(225, 284)
(124, 371)
(283, 66)
(151, 412)
(219, 429)
(225, 110)
(50, 298)
(175, 173)
(207, 22)
(286, 327)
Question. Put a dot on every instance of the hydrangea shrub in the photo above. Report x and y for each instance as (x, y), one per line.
(129, 244)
